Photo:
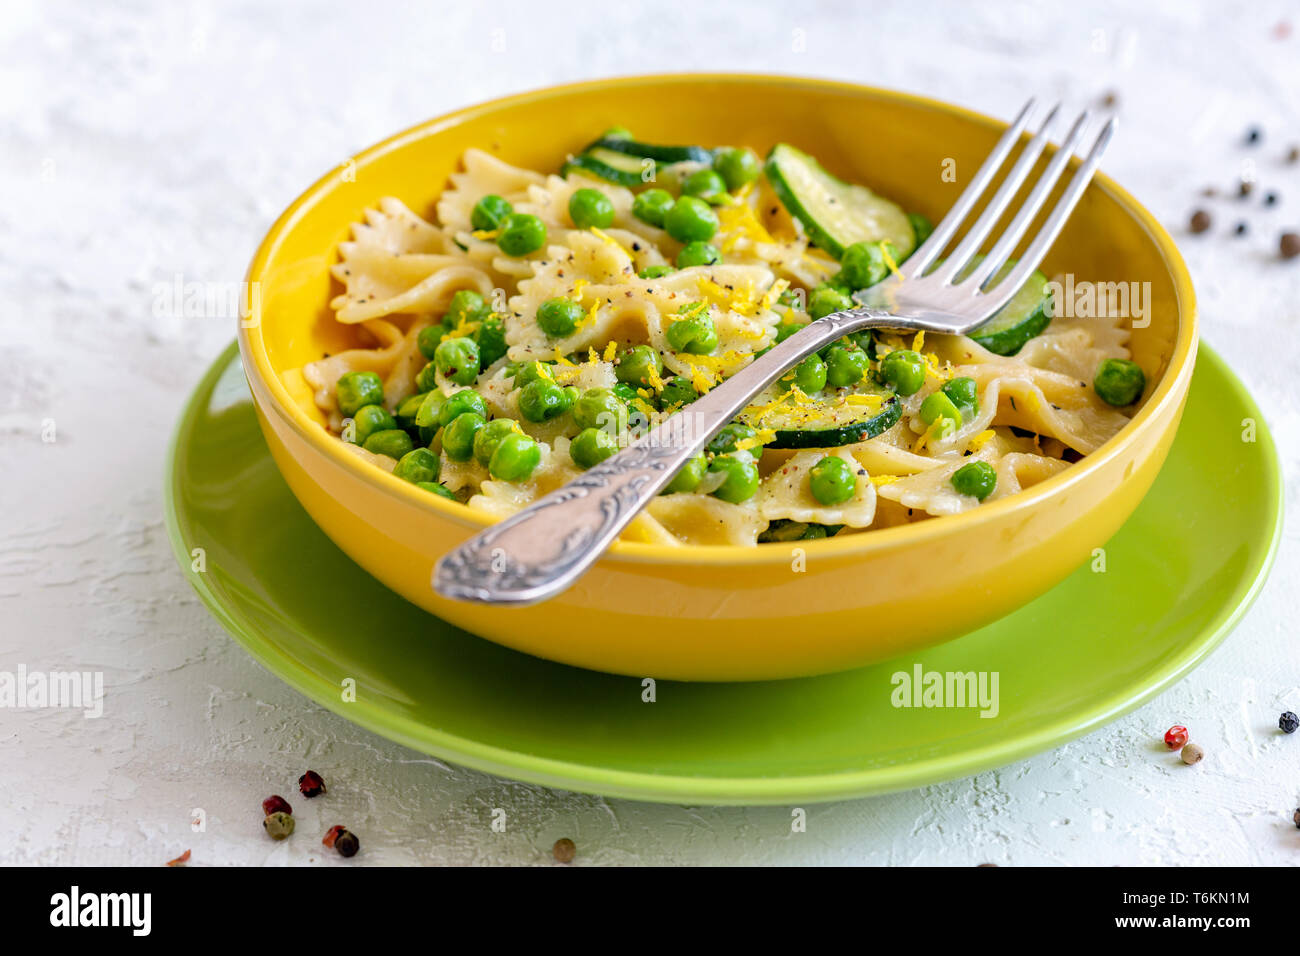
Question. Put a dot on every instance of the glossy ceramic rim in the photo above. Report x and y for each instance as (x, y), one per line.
(683, 789)
(1169, 391)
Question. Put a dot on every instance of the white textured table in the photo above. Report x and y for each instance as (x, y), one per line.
(139, 145)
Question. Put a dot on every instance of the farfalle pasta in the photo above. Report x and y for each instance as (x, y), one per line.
(540, 321)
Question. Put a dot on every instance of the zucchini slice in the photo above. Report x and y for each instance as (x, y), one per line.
(836, 214)
(660, 154)
(1026, 315)
(609, 165)
(835, 416)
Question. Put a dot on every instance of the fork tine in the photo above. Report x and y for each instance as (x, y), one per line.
(944, 232)
(1005, 289)
(975, 236)
(1001, 251)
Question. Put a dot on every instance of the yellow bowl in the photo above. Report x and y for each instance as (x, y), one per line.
(721, 613)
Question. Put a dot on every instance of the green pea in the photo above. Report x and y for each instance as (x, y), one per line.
(728, 437)
(963, 393)
(810, 375)
(635, 365)
(626, 394)
(652, 206)
(693, 334)
(706, 185)
(1119, 382)
(921, 226)
(515, 458)
(590, 208)
(370, 419)
(392, 442)
(458, 403)
(490, 337)
(865, 340)
(832, 480)
(600, 408)
(845, 366)
(356, 389)
(437, 489)
(531, 371)
(786, 328)
(521, 234)
(698, 254)
(458, 360)
(938, 405)
(465, 306)
(489, 212)
(903, 369)
(426, 416)
(737, 166)
(426, 380)
(825, 300)
(429, 337)
(863, 265)
(690, 476)
(418, 464)
(487, 438)
(678, 390)
(591, 447)
(540, 401)
(656, 272)
(408, 408)
(976, 478)
(458, 437)
(559, 317)
(741, 478)
(690, 220)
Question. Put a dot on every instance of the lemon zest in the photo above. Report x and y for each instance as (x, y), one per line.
(979, 441)
(656, 382)
(879, 480)
(889, 261)
(611, 350)
(760, 437)
(488, 234)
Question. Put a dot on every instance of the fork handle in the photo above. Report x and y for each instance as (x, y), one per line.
(538, 552)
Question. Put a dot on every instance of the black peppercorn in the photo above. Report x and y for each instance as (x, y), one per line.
(1288, 722)
(347, 843)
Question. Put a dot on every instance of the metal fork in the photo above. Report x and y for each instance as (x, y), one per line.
(543, 549)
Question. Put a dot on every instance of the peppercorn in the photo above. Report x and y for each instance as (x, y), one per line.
(1293, 154)
(1270, 198)
(278, 825)
(1192, 754)
(1200, 221)
(347, 844)
(311, 784)
(1288, 722)
(1210, 191)
(1175, 736)
(1246, 188)
(1254, 135)
(276, 804)
(1240, 229)
(1296, 818)
(1289, 245)
(1110, 99)
(332, 834)
(564, 850)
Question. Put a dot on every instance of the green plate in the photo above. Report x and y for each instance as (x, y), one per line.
(1178, 576)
